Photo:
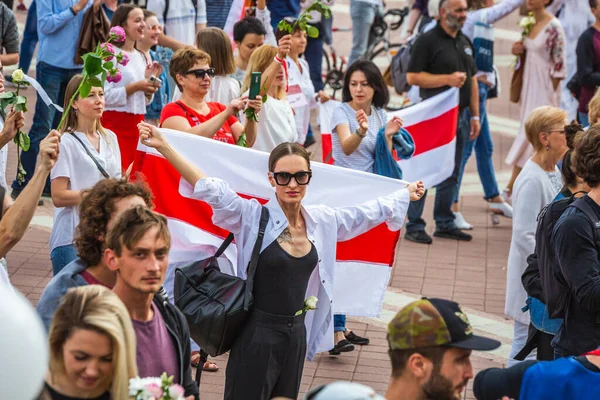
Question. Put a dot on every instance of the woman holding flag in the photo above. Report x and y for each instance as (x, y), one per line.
(268, 358)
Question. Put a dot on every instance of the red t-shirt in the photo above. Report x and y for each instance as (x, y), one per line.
(91, 280)
(179, 109)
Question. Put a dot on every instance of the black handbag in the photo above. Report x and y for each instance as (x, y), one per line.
(217, 305)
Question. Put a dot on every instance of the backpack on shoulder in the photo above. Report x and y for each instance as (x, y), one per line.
(399, 66)
(555, 291)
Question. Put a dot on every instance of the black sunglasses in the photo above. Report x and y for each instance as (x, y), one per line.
(283, 178)
(200, 73)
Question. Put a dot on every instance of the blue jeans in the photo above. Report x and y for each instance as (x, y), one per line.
(445, 191)
(339, 323)
(484, 148)
(30, 39)
(54, 80)
(314, 56)
(584, 119)
(363, 15)
(61, 256)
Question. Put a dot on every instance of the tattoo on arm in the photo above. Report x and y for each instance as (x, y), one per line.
(285, 236)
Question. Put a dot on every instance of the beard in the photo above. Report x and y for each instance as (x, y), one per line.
(454, 22)
(438, 387)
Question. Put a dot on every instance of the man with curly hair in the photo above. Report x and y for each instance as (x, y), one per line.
(101, 207)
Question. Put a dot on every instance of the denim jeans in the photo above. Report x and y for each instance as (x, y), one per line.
(61, 256)
(339, 323)
(314, 56)
(54, 80)
(363, 15)
(445, 192)
(484, 148)
(30, 39)
(584, 119)
(327, 29)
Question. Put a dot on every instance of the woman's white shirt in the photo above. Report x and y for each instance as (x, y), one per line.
(301, 95)
(115, 96)
(325, 226)
(74, 163)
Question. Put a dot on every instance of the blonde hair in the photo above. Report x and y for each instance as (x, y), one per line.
(594, 108)
(71, 120)
(96, 308)
(259, 62)
(540, 120)
(216, 43)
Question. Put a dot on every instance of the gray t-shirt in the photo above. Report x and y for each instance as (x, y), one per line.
(363, 157)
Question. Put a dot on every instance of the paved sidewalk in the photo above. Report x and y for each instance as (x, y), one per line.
(472, 273)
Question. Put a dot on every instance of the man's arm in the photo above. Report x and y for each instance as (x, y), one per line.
(474, 110)
(585, 61)
(201, 16)
(167, 41)
(496, 383)
(51, 20)
(16, 220)
(10, 40)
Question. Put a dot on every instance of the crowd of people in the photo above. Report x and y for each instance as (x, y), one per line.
(109, 309)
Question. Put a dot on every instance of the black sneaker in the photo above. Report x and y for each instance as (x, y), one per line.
(418, 237)
(455, 234)
(355, 339)
(343, 346)
(309, 141)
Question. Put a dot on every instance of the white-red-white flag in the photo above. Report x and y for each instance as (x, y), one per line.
(432, 124)
(363, 264)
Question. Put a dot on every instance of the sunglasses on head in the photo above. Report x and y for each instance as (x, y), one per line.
(284, 178)
(200, 73)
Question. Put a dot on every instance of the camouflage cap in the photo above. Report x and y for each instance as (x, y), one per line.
(432, 323)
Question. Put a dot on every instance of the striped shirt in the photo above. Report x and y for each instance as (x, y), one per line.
(363, 157)
(217, 12)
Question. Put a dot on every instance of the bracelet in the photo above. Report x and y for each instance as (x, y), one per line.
(360, 135)
(73, 10)
(475, 118)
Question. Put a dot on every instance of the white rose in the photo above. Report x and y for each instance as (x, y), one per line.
(18, 75)
(524, 22)
(311, 303)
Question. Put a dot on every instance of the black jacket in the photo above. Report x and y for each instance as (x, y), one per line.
(586, 59)
(179, 331)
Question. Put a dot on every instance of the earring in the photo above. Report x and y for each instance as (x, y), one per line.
(75, 111)
(547, 148)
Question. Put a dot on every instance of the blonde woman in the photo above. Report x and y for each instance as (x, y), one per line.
(594, 109)
(92, 347)
(88, 154)
(277, 123)
(223, 87)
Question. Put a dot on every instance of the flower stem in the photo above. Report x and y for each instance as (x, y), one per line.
(66, 111)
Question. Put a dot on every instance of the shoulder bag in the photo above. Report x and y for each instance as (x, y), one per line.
(102, 170)
(217, 305)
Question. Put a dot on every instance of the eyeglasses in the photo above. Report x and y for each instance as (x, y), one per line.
(561, 131)
(201, 73)
(283, 178)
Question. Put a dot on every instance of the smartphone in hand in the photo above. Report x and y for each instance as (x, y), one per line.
(255, 78)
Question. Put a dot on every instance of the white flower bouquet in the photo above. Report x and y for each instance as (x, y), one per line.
(153, 388)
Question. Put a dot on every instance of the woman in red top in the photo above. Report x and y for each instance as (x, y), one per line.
(190, 68)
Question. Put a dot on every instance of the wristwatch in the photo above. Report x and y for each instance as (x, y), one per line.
(360, 135)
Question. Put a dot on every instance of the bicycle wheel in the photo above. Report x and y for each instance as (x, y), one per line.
(382, 57)
(326, 63)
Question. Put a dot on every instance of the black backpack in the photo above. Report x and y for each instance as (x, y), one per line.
(399, 66)
(555, 291)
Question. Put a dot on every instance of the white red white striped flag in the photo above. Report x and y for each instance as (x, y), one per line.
(363, 264)
(432, 124)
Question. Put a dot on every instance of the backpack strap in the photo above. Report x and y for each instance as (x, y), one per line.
(264, 219)
(582, 205)
(102, 171)
(165, 12)
(224, 245)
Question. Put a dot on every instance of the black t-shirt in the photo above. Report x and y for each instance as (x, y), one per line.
(495, 383)
(54, 395)
(577, 255)
(438, 53)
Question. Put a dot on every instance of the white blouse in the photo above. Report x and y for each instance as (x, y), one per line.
(115, 96)
(325, 226)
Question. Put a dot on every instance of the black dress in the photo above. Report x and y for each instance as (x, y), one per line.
(268, 358)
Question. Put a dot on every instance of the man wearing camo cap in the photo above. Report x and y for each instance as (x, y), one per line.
(430, 343)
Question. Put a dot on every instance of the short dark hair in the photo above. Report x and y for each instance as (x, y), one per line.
(569, 177)
(585, 158)
(593, 3)
(132, 226)
(287, 149)
(374, 78)
(246, 26)
(95, 210)
(399, 358)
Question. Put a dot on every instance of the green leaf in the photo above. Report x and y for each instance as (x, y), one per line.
(7, 95)
(24, 141)
(104, 74)
(312, 32)
(85, 88)
(95, 82)
(109, 65)
(21, 103)
(242, 142)
(92, 65)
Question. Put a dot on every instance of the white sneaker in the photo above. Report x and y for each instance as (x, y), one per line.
(502, 208)
(460, 221)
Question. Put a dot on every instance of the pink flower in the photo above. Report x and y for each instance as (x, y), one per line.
(108, 48)
(117, 34)
(124, 59)
(176, 391)
(114, 76)
(154, 390)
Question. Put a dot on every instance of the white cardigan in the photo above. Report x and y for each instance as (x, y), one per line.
(325, 226)
(533, 190)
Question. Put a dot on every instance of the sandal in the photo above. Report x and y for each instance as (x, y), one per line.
(209, 366)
